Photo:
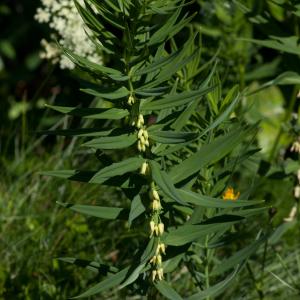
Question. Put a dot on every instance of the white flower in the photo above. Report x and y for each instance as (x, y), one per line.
(69, 29)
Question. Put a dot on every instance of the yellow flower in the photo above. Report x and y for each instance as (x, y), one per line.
(230, 195)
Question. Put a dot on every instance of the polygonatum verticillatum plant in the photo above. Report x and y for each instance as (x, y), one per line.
(179, 141)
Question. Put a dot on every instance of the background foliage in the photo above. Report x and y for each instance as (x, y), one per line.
(255, 43)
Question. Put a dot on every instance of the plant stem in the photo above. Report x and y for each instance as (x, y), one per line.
(207, 283)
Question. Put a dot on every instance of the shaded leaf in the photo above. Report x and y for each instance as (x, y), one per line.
(112, 142)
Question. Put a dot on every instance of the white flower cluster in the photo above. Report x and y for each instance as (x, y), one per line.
(68, 29)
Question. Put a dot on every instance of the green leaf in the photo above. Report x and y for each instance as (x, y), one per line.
(169, 29)
(238, 257)
(82, 132)
(208, 154)
(92, 113)
(136, 209)
(94, 67)
(189, 233)
(76, 175)
(157, 64)
(111, 95)
(286, 78)
(134, 272)
(110, 213)
(217, 288)
(90, 265)
(206, 201)
(112, 142)
(172, 101)
(167, 291)
(172, 137)
(221, 118)
(108, 283)
(280, 231)
(163, 181)
(286, 44)
(115, 169)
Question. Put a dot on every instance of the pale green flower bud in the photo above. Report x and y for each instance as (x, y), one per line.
(144, 168)
(160, 273)
(155, 195)
(131, 100)
(154, 273)
(146, 134)
(156, 205)
(161, 228)
(158, 259)
(139, 146)
(140, 133)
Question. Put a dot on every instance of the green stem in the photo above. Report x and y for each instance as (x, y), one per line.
(257, 289)
(207, 283)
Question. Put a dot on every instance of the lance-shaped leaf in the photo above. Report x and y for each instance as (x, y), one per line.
(112, 142)
(171, 101)
(166, 73)
(110, 213)
(106, 13)
(90, 265)
(166, 290)
(286, 44)
(226, 113)
(108, 283)
(189, 233)
(172, 137)
(92, 113)
(94, 67)
(238, 257)
(157, 64)
(208, 154)
(218, 288)
(138, 266)
(75, 175)
(170, 28)
(162, 179)
(82, 132)
(136, 209)
(116, 169)
(109, 94)
(207, 201)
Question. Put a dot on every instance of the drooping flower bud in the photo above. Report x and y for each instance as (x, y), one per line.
(158, 259)
(139, 146)
(162, 248)
(154, 273)
(152, 227)
(156, 205)
(131, 100)
(160, 273)
(161, 228)
(145, 133)
(144, 168)
(140, 133)
(155, 195)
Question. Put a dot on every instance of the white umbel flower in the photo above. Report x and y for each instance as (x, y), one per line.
(68, 29)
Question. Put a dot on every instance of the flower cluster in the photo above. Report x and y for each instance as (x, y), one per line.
(68, 29)
(157, 227)
(156, 261)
